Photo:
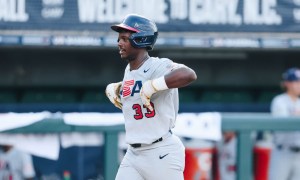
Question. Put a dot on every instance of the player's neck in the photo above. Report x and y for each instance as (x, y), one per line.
(139, 61)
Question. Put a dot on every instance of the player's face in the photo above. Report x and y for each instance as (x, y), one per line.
(126, 51)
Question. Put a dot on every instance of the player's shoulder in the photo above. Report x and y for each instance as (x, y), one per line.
(157, 60)
(281, 98)
(161, 64)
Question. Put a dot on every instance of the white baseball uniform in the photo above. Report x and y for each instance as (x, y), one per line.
(15, 165)
(285, 158)
(153, 160)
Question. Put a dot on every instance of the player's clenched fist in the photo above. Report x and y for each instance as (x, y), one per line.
(149, 88)
(112, 91)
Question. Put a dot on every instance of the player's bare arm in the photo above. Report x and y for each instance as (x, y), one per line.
(180, 77)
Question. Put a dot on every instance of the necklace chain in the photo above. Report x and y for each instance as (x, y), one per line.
(143, 61)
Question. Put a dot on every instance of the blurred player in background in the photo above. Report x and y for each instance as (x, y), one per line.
(227, 156)
(15, 164)
(148, 97)
(285, 158)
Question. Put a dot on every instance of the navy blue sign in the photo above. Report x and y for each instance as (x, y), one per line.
(170, 15)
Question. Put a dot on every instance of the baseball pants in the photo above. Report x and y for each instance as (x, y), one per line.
(164, 160)
(285, 164)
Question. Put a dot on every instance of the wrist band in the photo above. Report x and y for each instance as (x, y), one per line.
(159, 84)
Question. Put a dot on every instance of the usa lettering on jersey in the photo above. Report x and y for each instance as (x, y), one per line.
(131, 87)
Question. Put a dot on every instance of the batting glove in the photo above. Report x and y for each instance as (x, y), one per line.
(149, 88)
(112, 91)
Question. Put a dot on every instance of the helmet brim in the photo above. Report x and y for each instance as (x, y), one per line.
(120, 27)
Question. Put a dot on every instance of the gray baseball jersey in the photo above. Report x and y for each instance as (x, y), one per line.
(282, 105)
(142, 125)
(285, 164)
(145, 127)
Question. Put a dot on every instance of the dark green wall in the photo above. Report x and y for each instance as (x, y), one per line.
(68, 67)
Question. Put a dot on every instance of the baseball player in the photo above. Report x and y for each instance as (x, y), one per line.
(148, 97)
(227, 156)
(15, 164)
(285, 157)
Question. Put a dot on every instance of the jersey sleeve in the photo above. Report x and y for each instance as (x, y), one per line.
(164, 67)
(279, 108)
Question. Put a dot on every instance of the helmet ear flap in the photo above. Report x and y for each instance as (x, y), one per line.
(140, 39)
(144, 41)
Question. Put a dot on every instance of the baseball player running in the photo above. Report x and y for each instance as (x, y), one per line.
(285, 158)
(148, 97)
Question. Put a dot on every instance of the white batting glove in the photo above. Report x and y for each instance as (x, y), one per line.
(149, 88)
(112, 91)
